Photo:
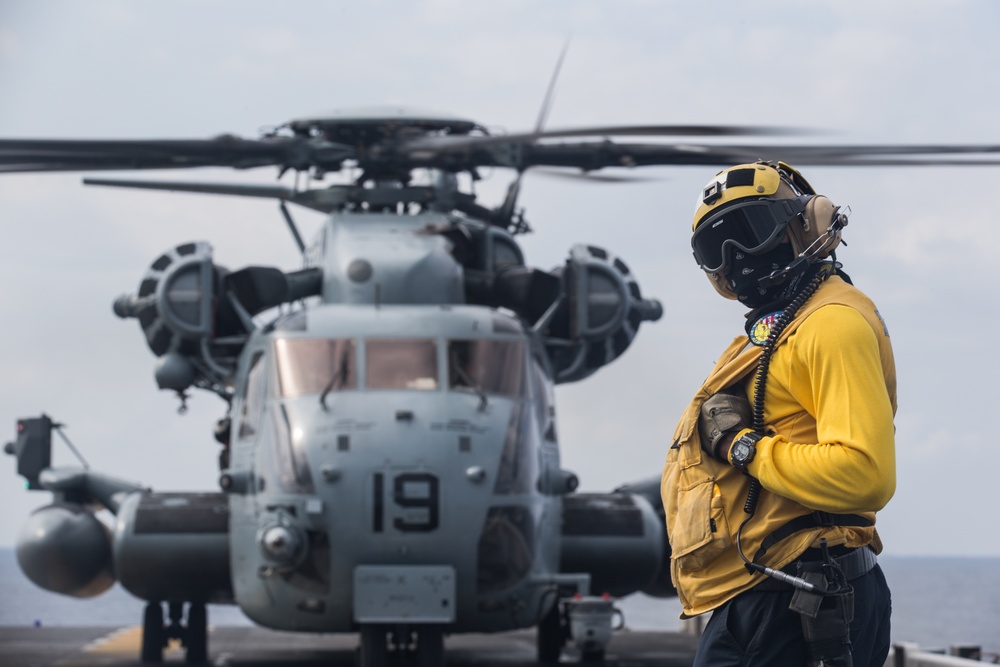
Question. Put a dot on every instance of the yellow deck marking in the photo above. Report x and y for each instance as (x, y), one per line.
(128, 642)
(125, 641)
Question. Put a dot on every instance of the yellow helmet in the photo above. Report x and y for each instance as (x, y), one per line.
(753, 208)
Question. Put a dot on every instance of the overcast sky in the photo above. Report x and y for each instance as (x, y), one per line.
(922, 241)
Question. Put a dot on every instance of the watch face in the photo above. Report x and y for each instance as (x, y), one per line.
(740, 451)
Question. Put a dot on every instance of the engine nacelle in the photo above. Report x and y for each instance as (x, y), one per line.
(178, 308)
(605, 309)
(174, 547)
(195, 314)
(65, 549)
(616, 537)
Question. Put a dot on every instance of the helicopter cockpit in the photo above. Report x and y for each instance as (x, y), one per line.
(323, 365)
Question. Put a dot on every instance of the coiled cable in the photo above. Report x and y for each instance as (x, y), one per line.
(760, 383)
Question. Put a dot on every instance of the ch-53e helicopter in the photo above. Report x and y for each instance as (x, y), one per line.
(390, 460)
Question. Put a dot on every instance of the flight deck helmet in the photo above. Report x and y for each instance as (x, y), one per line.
(752, 208)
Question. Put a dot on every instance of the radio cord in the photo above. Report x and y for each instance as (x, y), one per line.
(760, 382)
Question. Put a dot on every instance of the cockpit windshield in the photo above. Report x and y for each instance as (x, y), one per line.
(401, 364)
(314, 365)
(486, 366)
(323, 365)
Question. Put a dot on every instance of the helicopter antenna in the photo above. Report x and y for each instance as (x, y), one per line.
(291, 226)
(543, 114)
(506, 211)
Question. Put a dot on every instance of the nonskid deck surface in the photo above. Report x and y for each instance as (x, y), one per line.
(259, 647)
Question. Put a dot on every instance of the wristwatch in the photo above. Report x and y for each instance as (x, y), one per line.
(743, 450)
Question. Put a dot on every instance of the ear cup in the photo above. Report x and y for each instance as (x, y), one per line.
(819, 215)
(816, 220)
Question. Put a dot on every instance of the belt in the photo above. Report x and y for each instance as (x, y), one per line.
(855, 564)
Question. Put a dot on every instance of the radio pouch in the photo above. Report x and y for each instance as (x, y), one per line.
(826, 613)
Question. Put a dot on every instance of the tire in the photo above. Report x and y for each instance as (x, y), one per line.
(550, 636)
(373, 651)
(154, 636)
(196, 637)
(430, 647)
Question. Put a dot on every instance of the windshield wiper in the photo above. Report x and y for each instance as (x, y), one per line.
(467, 379)
(337, 381)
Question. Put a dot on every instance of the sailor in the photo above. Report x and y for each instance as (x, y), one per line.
(784, 455)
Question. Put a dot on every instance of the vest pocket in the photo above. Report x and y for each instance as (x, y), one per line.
(700, 532)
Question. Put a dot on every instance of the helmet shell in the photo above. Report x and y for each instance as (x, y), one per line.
(766, 180)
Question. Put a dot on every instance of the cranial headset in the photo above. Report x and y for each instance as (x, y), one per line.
(749, 208)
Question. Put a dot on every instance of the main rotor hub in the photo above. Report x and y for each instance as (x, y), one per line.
(371, 125)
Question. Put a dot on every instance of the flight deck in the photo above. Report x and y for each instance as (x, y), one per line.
(259, 647)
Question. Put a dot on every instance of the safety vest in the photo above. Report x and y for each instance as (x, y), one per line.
(704, 498)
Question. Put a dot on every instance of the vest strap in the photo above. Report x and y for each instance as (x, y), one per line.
(816, 519)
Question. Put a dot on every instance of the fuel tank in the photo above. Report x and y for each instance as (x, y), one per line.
(616, 537)
(174, 547)
(65, 549)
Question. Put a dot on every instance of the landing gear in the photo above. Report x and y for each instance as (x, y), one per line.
(430, 647)
(551, 636)
(196, 636)
(374, 652)
(154, 635)
(193, 634)
(422, 646)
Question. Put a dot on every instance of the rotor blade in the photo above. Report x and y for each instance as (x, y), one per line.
(454, 144)
(323, 200)
(591, 156)
(242, 190)
(592, 177)
(18, 155)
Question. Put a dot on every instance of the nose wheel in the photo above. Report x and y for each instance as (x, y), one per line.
(382, 645)
(430, 648)
(193, 634)
(374, 650)
(551, 636)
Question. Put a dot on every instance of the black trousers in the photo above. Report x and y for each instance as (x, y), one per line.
(757, 629)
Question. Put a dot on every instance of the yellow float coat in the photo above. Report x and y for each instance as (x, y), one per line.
(829, 405)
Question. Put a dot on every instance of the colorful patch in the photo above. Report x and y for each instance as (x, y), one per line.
(761, 329)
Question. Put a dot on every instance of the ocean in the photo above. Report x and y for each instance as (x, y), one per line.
(936, 602)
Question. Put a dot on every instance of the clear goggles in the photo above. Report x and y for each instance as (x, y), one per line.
(754, 227)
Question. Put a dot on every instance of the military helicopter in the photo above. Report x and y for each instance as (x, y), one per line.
(390, 462)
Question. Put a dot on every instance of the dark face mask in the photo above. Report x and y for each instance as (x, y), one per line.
(746, 271)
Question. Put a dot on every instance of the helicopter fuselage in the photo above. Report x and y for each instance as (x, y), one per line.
(425, 455)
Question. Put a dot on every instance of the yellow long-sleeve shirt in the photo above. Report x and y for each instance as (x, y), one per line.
(828, 400)
(828, 411)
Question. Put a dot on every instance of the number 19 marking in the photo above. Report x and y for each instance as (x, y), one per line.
(416, 493)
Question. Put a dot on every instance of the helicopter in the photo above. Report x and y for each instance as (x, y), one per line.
(390, 460)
